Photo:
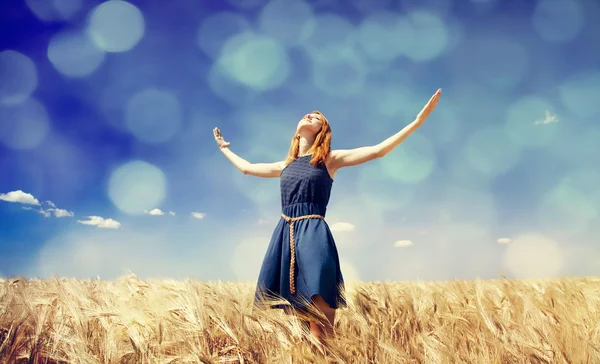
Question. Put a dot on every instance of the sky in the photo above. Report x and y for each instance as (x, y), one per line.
(108, 163)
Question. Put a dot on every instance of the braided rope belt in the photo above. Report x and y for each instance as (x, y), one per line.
(291, 221)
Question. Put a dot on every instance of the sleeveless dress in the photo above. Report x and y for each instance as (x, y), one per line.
(305, 191)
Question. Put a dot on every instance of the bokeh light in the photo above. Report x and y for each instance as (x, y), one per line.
(534, 256)
(25, 169)
(497, 61)
(116, 26)
(18, 77)
(43, 9)
(67, 8)
(430, 36)
(472, 100)
(484, 7)
(582, 146)
(463, 173)
(334, 35)
(440, 7)
(261, 194)
(341, 75)
(558, 20)
(68, 167)
(266, 127)
(24, 125)
(369, 6)
(445, 126)
(585, 180)
(228, 89)
(487, 3)
(580, 93)
(73, 54)
(153, 116)
(267, 136)
(137, 186)
(392, 100)
(491, 152)
(531, 122)
(216, 29)
(456, 33)
(322, 4)
(464, 203)
(256, 61)
(567, 209)
(54, 10)
(376, 189)
(388, 99)
(411, 162)
(385, 35)
(247, 4)
(290, 22)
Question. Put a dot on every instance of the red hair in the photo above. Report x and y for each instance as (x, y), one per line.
(320, 148)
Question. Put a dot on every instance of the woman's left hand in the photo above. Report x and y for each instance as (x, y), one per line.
(429, 107)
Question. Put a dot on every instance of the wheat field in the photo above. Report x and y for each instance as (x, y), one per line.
(130, 320)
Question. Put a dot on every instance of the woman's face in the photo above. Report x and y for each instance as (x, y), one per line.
(310, 123)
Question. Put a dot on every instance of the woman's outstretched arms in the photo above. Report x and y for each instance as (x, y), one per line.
(266, 170)
(351, 157)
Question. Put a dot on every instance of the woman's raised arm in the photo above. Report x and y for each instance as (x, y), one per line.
(351, 157)
(265, 170)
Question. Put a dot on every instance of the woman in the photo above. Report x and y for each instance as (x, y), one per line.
(301, 264)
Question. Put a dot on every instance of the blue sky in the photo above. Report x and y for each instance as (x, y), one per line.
(108, 163)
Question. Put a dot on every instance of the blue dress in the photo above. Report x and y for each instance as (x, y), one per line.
(305, 191)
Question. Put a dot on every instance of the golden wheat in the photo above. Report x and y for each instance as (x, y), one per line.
(135, 321)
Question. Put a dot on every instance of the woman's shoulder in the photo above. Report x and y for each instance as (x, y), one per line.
(329, 165)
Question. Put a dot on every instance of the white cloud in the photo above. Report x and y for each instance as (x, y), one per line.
(342, 227)
(39, 211)
(171, 213)
(198, 215)
(504, 240)
(19, 197)
(154, 212)
(60, 213)
(403, 243)
(549, 119)
(101, 222)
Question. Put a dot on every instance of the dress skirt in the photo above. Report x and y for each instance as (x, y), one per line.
(317, 266)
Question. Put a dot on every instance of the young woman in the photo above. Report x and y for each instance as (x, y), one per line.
(301, 264)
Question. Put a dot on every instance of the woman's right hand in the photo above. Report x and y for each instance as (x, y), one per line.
(219, 139)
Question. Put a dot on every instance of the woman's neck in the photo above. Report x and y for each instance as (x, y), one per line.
(305, 145)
